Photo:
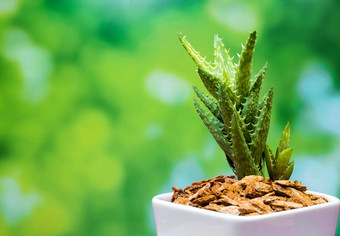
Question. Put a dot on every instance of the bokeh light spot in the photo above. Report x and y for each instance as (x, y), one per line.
(311, 171)
(153, 131)
(35, 63)
(8, 6)
(13, 203)
(323, 103)
(184, 172)
(315, 82)
(209, 148)
(235, 14)
(167, 87)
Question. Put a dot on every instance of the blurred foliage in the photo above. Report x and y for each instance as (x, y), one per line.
(96, 109)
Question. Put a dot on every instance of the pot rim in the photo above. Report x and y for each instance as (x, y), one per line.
(164, 200)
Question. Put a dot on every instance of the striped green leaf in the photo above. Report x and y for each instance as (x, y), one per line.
(284, 142)
(262, 128)
(210, 82)
(250, 109)
(209, 102)
(281, 162)
(288, 171)
(223, 61)
(244, 66)
(215, 127)
(270, 161)
(227, 110)
(243, 160)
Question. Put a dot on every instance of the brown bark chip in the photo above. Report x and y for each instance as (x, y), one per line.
(281, 191)
(299, 186)
(205, 190)
(296, 184)
(257, 189)
(252, 195)
(246, 208)
(270, 199)
(262, 208)
(300, 197)
(319, 201)
(249, 179)
(217, 188)
(202, 201)
(285, 205)
(177, 191)
(182, 200)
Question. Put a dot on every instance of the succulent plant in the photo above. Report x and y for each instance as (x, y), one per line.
(235, 116)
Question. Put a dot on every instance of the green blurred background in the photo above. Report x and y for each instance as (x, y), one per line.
(96, 104)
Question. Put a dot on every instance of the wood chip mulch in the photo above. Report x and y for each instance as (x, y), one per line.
(252, 195)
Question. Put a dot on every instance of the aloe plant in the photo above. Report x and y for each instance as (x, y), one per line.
(234, 114)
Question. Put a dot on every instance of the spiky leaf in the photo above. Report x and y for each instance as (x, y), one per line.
(244, 162)
(209, 102)
(243, 70)
(210, 82)
(237, 121)
(215, 127)
(262, 128)
(284, 142)
(223, 61)
(198, 59)
(281, 162)
(228, 109)
(210, 77)
(288, 171)
(270, 161)
(250, 108)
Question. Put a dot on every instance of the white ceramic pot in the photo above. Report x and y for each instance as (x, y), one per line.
(179, 220)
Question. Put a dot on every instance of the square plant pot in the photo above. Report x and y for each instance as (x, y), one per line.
(179, 220)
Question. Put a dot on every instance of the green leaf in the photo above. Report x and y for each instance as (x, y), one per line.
(281, 162)
(200, 61)
(284, 142)
(223, 61)
(262, 127)
(215, 127)
(257, 86)
(270, 161)
(210, 82)
(243, 160)
(209, 102)
(210, 77)
(227, 110)
(250, 109)
(288, 171)
(244, 66)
